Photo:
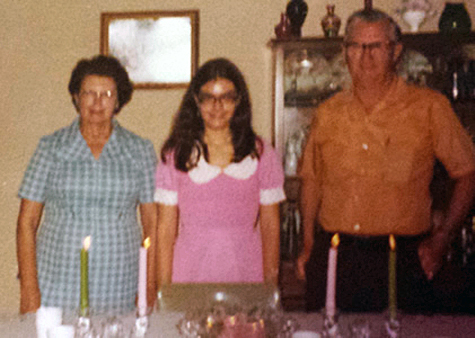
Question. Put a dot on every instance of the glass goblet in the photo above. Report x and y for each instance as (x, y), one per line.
(113, 328)
(360, 328)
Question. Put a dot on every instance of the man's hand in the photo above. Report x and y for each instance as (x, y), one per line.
(432, 251)
(303, 259)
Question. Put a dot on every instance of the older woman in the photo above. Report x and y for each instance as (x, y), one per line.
(87, 179)
(221, 184)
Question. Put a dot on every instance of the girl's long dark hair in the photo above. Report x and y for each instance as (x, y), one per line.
(188, 127)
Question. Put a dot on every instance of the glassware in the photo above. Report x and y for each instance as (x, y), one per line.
(331, 329)
(84, 328)
(331, 23)
(296, 11)
(392, 329)
(113, 328)
(455, 19)
(360, 328)
(282, 29)
(141, 325)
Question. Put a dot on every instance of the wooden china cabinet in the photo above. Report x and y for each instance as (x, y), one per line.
(307, 71)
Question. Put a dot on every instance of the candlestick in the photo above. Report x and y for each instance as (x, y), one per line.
(330, 305)
(392, 279)
(84, 300)
(142, 282)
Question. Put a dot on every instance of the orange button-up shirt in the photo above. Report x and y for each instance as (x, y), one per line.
(373, 171)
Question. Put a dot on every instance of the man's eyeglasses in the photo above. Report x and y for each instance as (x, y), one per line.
(91, 95)
(226, 100)
(373, 47)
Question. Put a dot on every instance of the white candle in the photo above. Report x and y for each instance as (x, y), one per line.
(330, 304)
(142, 282)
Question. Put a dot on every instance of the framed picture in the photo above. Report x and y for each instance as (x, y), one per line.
(159, 49)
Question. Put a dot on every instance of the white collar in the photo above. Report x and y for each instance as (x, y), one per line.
(205, 172)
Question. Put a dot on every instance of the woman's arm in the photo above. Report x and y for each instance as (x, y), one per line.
(270, 233)
(148, 216)
(28, 221)
(167, 231)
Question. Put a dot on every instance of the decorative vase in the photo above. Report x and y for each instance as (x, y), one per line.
(282, 29)
(414, 19)
(296, 12)
(330, 22)
(455, 19)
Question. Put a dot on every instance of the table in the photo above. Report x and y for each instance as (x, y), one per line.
(163, 325)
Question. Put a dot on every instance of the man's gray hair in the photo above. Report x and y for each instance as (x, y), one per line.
(374, 15)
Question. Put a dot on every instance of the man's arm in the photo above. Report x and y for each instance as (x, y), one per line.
(433, 249)
(308, 209)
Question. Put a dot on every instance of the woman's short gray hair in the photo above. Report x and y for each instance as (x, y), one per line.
(374, 15)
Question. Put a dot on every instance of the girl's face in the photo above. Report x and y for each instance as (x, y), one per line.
(217, 101)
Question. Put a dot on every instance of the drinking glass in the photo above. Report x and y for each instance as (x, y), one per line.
(360, 328)
(113, 328)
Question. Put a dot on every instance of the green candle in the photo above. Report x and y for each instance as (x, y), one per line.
(84, 302)
(392, 290)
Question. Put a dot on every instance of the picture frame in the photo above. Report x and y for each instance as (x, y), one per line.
(159, 49)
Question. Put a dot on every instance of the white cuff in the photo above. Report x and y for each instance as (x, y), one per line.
(272, 196)
(167, 197)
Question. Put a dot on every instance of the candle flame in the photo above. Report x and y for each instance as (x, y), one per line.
(86, 243)
(392, 242)
(146, 243)
(335, 241)
(209, 322)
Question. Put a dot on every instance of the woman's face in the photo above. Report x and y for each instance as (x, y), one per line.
(217, 101)
(97, 99)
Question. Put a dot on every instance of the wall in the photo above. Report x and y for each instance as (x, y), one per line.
(43, 39)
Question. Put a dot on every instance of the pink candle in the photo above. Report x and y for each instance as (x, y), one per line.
(142, 283)
(330, 305)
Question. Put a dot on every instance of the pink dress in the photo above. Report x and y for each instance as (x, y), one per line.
(218, 238)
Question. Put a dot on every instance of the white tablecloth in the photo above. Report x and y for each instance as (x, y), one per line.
(164, 325)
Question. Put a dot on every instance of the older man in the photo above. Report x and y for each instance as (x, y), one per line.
(366, 171)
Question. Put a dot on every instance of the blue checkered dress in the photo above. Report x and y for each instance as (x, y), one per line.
(84, 196)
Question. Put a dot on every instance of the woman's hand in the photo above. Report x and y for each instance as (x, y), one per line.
(270, 237)
(30, 299)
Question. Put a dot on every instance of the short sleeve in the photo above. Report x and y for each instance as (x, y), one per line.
(34, 184)
(453, 146)
(166, 191)
(309, 167)
(271, 177)
(149, 159)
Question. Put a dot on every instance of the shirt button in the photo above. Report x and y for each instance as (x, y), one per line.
(365, 146)
(357, 227)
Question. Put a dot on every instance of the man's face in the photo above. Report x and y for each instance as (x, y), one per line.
(370, 53)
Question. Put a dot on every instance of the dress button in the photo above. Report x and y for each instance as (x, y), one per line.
(365, 146)
(357, 227)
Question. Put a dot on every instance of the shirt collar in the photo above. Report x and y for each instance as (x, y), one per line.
(205, 172)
